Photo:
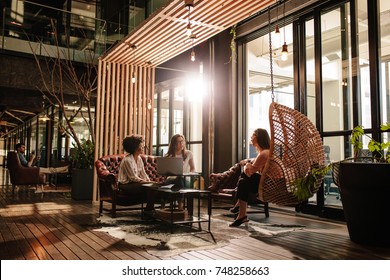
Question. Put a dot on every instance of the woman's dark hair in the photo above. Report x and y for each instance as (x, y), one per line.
(262, 138)
(172, 146)
(132, 142)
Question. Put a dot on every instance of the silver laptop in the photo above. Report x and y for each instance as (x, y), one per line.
(169, 166)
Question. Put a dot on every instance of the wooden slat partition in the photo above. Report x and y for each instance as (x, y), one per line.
(122, 107)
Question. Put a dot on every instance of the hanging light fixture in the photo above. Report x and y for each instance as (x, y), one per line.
(133, 47)
(284, 47)
(277, 31)
(44, 117)
(149, 106)
(193, 58)
(189, 5)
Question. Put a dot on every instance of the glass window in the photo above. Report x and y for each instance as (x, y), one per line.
(259, 82)
(384, 7)
(336, 70)
(364, 62)
(181, 100)
(310, 71)
(164, 117)
(178, 100)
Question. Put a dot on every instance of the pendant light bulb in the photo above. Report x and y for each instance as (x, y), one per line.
(133, 78)
(149, 106)
(277, 33)
(189, 30)
(192, 55)
(284, 52)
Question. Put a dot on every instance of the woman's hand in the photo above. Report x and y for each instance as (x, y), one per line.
(248, 169)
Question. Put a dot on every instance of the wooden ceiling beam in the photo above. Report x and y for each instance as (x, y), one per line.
(163, 35)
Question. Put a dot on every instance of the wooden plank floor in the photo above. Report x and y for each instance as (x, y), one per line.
(53, 226)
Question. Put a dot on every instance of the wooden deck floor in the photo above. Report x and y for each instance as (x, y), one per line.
(53, 226)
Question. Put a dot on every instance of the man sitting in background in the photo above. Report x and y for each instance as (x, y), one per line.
(21, 149)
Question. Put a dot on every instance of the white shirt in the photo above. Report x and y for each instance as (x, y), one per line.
(186, 162)
(132, 171)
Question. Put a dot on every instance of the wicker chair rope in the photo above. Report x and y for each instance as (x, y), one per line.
(296, 147)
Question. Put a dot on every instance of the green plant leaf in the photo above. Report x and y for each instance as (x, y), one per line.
(83, 157)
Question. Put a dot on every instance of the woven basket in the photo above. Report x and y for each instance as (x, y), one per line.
(296, 148)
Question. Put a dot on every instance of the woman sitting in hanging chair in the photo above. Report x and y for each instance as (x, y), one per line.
(249, 179)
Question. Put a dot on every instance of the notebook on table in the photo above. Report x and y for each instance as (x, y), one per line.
(169, 166)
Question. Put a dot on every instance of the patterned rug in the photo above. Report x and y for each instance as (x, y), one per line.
(156, 238)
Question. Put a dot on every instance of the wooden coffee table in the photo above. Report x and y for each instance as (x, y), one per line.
(188, 195)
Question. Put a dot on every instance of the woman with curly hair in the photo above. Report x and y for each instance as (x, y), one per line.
(131, 174)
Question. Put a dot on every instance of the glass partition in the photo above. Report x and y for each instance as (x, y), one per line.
(28, 27)
(259, 81)
(384, 19)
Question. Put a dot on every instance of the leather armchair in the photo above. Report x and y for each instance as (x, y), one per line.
(21, 175)
(107, 168)
(223, 186)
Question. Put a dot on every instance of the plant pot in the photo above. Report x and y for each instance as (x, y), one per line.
(365, 194)
(82, 184)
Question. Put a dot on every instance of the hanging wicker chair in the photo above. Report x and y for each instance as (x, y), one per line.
(296, 148)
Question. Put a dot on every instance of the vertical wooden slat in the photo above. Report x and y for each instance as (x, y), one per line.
(121, 106)
(112, 109)
(134, 104)
(126, 104)
(131, 103)
(142, 100)
(117, 108)
(152, 72)
(139, 101)
(106, 110)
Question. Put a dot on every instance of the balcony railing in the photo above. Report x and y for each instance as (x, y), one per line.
(74, 34)
(25, 32)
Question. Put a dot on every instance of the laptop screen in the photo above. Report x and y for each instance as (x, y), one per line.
(169, 166)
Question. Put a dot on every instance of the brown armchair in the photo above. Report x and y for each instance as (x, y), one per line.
(223, 187)
(21, 175)
(107, 168)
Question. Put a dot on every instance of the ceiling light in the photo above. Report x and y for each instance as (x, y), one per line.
(189, 5)
(193, 37)
(284, 47)
(284, 52)
(133, 78)
(277, 33)
(44, 118)
(188, 29)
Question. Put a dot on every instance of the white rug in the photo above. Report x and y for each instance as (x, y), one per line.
(156, 238)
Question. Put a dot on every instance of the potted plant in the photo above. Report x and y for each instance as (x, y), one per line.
(82, 172)
(364, 190)
(62, 79)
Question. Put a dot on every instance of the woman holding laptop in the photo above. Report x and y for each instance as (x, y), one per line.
(177, 148)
